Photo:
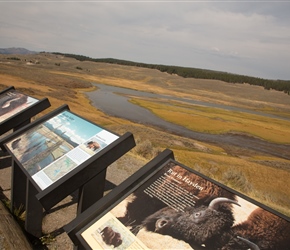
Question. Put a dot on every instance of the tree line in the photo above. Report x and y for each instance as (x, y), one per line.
(186, 72)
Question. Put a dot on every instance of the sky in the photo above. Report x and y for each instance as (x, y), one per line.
(242, 37)
(78, 129)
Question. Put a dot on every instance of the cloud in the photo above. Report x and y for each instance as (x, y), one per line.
(183, 33)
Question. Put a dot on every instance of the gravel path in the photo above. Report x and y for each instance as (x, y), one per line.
(65, 211)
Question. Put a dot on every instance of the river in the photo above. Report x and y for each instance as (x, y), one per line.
(113, 101)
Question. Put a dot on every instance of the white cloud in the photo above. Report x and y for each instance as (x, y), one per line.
(215, 35)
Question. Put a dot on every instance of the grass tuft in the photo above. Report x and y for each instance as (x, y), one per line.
(237, 180)
(145, 149)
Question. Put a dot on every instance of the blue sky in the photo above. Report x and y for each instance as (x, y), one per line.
(243, 37)
(78, 129)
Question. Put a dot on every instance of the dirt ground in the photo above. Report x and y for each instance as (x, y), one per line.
(54, 237)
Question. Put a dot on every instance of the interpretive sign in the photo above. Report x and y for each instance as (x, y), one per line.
(52, 149)
(56, 155)
(175, 207)
(16, 109)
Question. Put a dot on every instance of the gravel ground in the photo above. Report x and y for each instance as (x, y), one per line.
(65, 211)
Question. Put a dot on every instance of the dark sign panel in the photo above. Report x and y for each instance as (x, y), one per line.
(13, 102)
(55, 147)
(178, 208)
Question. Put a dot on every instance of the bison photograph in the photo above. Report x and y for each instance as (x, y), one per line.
(215, 219)
(110, 237)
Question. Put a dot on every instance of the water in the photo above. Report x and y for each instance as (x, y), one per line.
(108, 99)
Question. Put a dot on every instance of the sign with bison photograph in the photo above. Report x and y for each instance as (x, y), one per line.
(55, 147)
(178, 208)
(12, 102)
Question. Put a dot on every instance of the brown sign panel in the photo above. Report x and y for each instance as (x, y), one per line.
(178, 208)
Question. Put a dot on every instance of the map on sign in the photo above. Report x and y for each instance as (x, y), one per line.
(52, 149)
(12, 102)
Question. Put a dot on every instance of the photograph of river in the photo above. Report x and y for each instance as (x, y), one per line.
(39, 147)
(47, 142)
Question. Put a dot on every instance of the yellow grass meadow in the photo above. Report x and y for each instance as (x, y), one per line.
(218, 121)
(264, 183)
(261, 177)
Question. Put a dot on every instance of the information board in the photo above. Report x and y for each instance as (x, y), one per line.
(54, 156)
(12, 102)
(55, 147)
(17, 109)
(178, 208)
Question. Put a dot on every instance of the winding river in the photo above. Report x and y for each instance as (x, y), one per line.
(114, 101)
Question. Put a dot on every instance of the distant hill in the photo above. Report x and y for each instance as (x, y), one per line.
(280, 85)
(186, 72)
(18, 51)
